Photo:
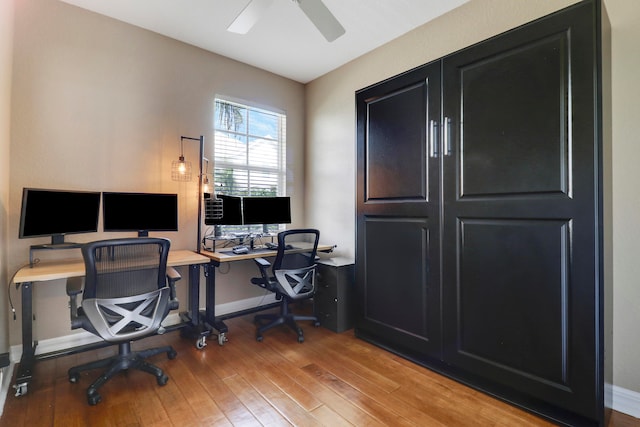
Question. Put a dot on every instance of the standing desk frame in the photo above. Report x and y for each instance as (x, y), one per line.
(64, 269)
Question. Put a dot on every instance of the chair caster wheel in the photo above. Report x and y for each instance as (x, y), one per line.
(94, 399)
(300, 339)
(259, 338)
(222, 338)
(172, 354)
(201, 343)
(162, 379)
(316, 323)
(21, 389)
(73, 378)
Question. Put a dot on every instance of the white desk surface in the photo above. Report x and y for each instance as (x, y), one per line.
(63, 269)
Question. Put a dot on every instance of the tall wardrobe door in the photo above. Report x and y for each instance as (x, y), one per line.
(520, 249)
(397, 256)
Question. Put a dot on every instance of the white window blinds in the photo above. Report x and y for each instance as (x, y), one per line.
(250, 154)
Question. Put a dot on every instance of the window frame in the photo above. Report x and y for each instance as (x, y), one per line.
(243, 133)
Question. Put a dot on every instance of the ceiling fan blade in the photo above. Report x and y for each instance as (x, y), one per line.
(249, 16)
(322, 18)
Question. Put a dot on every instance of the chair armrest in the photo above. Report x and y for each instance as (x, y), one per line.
(262, 263)
(75, 286)
(263, 280)
(172, 277)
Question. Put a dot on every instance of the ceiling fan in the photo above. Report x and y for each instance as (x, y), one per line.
(315, 10)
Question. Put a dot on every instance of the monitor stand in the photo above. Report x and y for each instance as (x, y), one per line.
(57, 242)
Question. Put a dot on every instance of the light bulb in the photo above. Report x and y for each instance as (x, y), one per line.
(205, 184)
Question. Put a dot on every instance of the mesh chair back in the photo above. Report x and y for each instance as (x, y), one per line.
(289, 260)
(295, 272)
(126, 295)
(124, 267)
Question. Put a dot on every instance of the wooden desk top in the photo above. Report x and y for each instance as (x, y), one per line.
(63, 269)
(226, 255)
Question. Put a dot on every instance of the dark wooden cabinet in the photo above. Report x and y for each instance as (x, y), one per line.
(479, 216)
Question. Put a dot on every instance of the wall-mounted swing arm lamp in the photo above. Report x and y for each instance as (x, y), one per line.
(181, 171)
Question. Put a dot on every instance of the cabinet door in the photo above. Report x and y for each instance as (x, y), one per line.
(521, 259)
(397, 255)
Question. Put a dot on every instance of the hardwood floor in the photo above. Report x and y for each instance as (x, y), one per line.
(331, 379)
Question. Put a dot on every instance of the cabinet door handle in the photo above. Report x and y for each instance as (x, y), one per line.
(447, 137)
(433, 148)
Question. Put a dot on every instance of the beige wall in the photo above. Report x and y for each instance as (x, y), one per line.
(330, 133)
(101, 105)
(6, 55)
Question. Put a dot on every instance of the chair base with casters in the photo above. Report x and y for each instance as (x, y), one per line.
(124, 360)
(285, 317)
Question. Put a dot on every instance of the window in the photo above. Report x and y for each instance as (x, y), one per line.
(250, 153)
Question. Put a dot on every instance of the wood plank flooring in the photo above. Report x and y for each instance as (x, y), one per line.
(329, 380)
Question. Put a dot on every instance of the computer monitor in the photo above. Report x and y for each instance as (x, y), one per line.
(266, 210)
(139, 212)
(231, 211)
(56, 213)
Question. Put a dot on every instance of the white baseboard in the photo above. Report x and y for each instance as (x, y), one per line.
(245, 304)
(626, 401)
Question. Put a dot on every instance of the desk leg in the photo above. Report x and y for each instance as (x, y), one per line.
(210, 311)
(25, 370)
(194, 328)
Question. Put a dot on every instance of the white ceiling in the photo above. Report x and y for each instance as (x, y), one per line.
(283, 41)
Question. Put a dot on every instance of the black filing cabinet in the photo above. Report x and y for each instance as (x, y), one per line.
(333, 300)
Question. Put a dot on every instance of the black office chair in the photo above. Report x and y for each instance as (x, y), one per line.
(292, 279)
(128, 291)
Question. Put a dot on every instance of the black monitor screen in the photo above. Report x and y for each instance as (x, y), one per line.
(266, 210)
(231, 211)
(141, 212)
(58, 212)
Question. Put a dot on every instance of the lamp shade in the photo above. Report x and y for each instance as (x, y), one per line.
(180, 170)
